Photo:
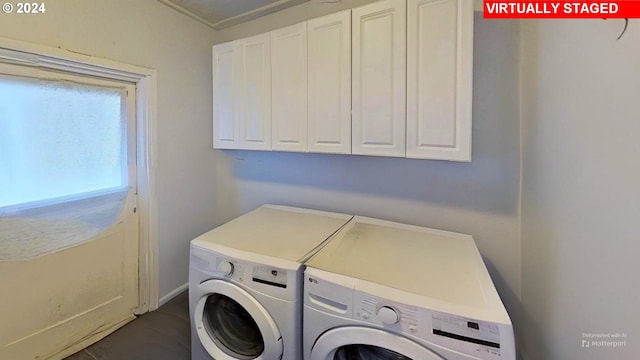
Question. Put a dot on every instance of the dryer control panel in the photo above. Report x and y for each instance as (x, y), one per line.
(271, 280)
(270, 276)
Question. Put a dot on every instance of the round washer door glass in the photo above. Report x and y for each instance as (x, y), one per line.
(366, 352)
(232, 328)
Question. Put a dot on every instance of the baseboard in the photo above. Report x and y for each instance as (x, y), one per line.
(173, 293)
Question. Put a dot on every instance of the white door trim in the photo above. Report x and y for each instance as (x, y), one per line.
(51, 58)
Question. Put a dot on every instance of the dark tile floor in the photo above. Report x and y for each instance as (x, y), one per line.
(163, 334)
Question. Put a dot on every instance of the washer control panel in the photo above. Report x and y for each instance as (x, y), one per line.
(459, 334)
(478, 338)
(390, 314)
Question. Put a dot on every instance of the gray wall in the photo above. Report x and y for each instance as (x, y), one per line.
(479, 198)
(580, 194)
(580, 173)
(149, 34)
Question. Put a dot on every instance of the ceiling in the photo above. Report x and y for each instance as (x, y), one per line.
(220, 14)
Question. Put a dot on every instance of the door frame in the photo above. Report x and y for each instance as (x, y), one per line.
(44, 57)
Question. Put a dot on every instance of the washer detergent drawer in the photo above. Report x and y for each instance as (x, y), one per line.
(232, 325)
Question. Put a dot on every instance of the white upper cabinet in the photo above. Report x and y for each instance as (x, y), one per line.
(289, 88)
(390, 78)
(379, 78)
(225, 125)
(254, 92)
(439, 79)
(329, 75)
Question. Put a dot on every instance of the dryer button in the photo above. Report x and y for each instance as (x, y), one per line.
(226, 268)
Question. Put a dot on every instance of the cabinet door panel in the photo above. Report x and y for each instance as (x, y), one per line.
(289, 88)
(379, 78)
(254, 108)
(440, 49)
(329, 93)
(225, 125)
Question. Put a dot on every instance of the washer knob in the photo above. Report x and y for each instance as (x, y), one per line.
(226, 268)
(388, 315)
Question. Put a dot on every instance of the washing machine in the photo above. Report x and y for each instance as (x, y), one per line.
(386, 291)
(245, 283)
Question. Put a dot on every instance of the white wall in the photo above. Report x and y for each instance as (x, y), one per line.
(581, 195)
(479, 198)
(149, 34)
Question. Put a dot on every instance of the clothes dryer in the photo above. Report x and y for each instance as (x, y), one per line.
(245, 283)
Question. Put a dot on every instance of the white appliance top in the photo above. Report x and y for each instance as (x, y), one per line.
(440, 265)
(280, 232)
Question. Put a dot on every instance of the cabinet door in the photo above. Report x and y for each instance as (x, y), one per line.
(439, 76)
(379, 78)
(289, 88)
(329, 93)
(225, 125)
(254, 92)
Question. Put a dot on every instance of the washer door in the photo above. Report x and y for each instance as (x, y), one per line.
(232, 325)
(359, 343)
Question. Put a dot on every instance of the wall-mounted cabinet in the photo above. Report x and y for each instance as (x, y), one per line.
(254, 92)
(329, 91)
(379, 78)
(391, 78)
(289, 88)
(226, 132)
(439, 79)
(242, 94)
